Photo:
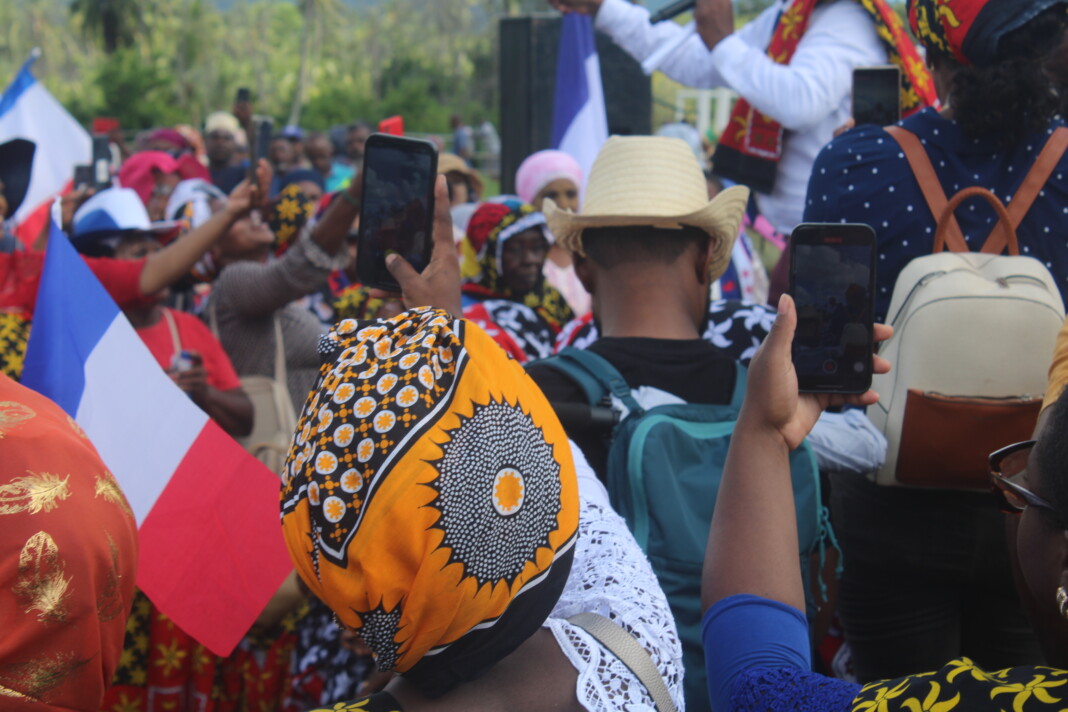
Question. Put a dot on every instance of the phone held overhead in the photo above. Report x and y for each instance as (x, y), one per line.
(832, 281)
(397, 208)
(877, 95)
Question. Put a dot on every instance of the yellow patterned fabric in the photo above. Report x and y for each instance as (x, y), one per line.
(429, 484)
(14, 335)
(287, 214)
(68, 559)
(962, 687)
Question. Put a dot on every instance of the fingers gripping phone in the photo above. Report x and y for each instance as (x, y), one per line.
(832, 281)
(877, 95)
(397, 209)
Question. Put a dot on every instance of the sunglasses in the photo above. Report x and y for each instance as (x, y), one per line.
(1007, 466)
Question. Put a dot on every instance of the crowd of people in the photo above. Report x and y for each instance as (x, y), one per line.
(480, 508)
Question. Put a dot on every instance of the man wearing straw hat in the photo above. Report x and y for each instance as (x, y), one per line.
(648, 246)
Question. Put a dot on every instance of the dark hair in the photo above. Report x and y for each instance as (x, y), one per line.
(1020, 92)
(1052, 456)
(612, 246)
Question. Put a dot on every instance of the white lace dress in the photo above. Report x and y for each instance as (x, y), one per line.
(611, 576)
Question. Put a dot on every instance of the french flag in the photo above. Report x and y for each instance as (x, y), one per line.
(580, 125)
(28, 111)
(211, 548)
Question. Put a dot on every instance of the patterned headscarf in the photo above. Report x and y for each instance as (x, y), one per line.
(67, 563)
(287, 214)
(960, 685)
(491, 225)
(429, 497)
(969, 30)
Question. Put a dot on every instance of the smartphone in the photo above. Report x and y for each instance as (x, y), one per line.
(101, 162)
(83, 176)
(397, 213)
(259, 144)
(877, 95)
(832, 281)
(243, 95)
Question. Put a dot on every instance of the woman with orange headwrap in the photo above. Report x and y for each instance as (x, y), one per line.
(433, 501)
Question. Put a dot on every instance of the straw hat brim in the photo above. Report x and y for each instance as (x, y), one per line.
(721, 218)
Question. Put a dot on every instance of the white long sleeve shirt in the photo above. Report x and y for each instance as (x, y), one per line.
(810, 96)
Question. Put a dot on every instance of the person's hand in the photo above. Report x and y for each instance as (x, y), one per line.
(583, 7)
(246, 196)
(193, 380)
(772, 401)
(715, 21)
(849, 124)
(69, 204)
(439, 284)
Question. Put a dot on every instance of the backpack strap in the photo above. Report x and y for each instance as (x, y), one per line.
(740, 375)
(1025, 195)
(930, 185)
(596, 369)
(173, 329)
(1036, 178)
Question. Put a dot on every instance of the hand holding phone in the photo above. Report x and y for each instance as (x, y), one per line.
(832, 281)
(397, 207)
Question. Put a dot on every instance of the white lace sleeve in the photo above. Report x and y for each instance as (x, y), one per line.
(611, 576)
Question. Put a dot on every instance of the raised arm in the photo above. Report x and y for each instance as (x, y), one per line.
(752, 544)
(170, 264)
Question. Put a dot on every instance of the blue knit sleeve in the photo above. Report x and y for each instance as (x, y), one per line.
(757, 658)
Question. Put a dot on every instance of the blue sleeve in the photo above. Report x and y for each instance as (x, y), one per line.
(746, 632)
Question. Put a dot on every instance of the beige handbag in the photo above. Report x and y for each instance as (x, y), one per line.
(273, 417)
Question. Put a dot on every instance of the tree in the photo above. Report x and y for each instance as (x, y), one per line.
(115, 21)
(313, 13)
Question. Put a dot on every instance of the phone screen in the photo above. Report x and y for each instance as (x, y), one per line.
(260, 144)
(101, 162)
(832, 281)
(83, 176)
(877, 95)
(397, 213)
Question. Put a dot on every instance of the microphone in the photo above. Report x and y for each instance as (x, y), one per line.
(669, 11)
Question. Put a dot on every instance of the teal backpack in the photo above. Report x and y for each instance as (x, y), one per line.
(664, 470)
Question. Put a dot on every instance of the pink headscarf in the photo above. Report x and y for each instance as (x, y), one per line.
(542, 168)
(137, 171)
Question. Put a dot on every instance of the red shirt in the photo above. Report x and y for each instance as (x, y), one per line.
(193, 335)
(20, 275)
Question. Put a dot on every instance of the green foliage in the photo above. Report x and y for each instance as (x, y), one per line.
(125, 74)
(159, 62)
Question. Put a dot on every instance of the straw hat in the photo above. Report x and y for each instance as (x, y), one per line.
(651, 181)
(450, 162)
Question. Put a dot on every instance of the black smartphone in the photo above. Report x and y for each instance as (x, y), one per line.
(101, 162)
(83, 176)
(259, 144)
(243, 95)
(832, 281)
(397, 213)
(877, 95)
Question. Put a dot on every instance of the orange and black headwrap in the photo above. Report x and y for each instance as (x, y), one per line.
(969, 30)
(429, 497)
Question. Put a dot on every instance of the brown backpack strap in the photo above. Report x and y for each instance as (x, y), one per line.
(952, 237)
(1032, 184)
(1003, 230)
